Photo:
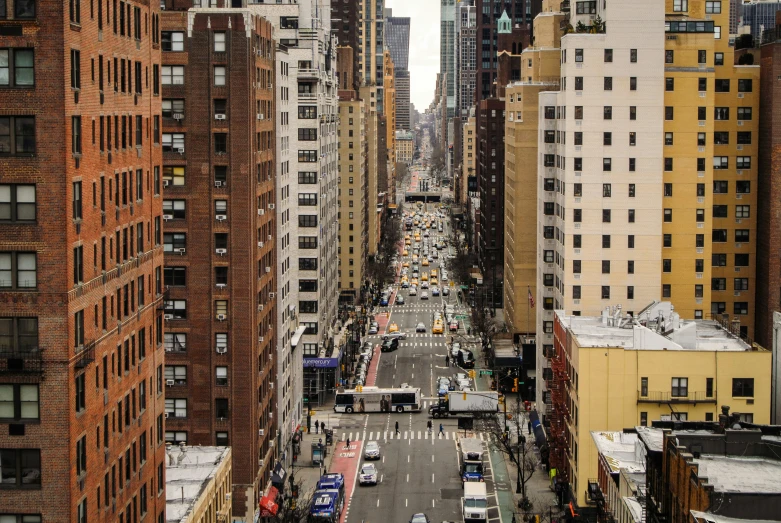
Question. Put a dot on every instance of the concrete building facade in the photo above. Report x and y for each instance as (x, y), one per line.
(466, 56)
(198, 484)
(397, 33)
(600, 188)
(405, 147)
(313, 182)
(81, 251)
(371, 34)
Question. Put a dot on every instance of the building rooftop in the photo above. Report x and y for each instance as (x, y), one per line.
(186, 476)
(619, 450)
(707, 517)
(657, 327)
(734, 474)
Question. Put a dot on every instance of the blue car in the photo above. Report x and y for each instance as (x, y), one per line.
(384, 300)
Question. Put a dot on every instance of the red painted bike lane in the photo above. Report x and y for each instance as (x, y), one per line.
(371, 376)
(346, 461)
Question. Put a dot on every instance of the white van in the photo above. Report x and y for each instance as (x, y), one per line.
(475, 502)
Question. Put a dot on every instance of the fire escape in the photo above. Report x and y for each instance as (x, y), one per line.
(557, 381)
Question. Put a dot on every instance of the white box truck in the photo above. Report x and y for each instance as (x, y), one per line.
(475, 504)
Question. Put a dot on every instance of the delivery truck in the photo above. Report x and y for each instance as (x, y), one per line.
(475, 503)
(465, 402)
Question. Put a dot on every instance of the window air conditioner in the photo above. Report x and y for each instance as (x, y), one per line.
(170, 383)
(222, 285)
(167, 217)
(271, 206)
(181, 250)
(260, 244)
(218, 183)
(221, 217)
(222, 251)
(271, 295)
(260, 307)
(268, 269)
(260, 462)
(260, 339)
(260, 116)
(221, 317)
(168, 316)
(166, 415)
(261, 432)
(219, 117)
(180, 150)
(222, 350)
(269, 237)
(261, 212)
(178, 116)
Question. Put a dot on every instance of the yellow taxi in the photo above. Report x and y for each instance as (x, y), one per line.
(438, 328)
(417, 237)
(393, 328)
(414, 281)
(434, 273)
(407, 242)
(424, 263)
(424, 276)
(406, 236)
(405, 252)
(414, 257)
(405, 264)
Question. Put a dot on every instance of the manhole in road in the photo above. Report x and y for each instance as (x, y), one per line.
(451, 493)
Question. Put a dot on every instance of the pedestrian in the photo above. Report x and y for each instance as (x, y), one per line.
(441, 430)
(428, 425)
(397, 427)
(347, 446)
(529, 427)
(447, 360)
(317, 427)
(468, 331)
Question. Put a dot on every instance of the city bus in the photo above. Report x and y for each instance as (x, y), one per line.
(375, 399)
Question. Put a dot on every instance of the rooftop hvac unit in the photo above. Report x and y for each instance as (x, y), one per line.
(222, 252)
(219, 117)
(220, 317)
(170, 383)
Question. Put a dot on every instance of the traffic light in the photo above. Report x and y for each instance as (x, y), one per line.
(472, 374)
(515, 384)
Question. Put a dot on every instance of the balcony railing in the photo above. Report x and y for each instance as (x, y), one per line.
(86, 356)
(14, 360)
(668, 397)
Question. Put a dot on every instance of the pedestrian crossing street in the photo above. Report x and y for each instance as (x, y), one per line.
(406, 435)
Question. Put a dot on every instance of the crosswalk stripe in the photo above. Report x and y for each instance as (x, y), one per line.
(447, 435)
(405, 434)
(418, 434)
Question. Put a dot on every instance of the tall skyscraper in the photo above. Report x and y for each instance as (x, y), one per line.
(466, 56)
(81, 252)
(219, 238)
(447, 65)
(346, 25)
(397, 32)
(372, 35)
(313, 225)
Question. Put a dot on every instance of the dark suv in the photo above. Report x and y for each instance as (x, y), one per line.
(390, 345)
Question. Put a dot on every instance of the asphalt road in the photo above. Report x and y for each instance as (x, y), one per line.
(418, 472)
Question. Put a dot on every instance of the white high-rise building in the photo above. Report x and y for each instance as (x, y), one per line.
(307, 111)
(600, 170)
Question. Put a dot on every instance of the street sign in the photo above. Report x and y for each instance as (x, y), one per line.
(486, 373)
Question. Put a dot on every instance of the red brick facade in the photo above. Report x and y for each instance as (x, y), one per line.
(79, 306)
(220, 352)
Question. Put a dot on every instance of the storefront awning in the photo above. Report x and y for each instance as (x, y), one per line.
(268, 505)
(278, 476)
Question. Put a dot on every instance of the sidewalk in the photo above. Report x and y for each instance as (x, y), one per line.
(304, 471)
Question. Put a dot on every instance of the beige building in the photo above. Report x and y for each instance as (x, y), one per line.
(600, 169)
(469, 158)
(371, 129)
(353, 195)
(540, 68)
(198, 485)
(405, 147)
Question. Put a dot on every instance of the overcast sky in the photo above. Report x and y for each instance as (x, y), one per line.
(423, 47)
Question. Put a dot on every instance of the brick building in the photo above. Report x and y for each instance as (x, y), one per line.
(80, 263)
(220, 230)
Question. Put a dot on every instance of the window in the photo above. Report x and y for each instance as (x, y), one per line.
(17, 67)
(221, 376)
(17, 135)
(176, 407)
(607, 112)
(668, 113)
(721, 113)
(176, 373)
(578, 83)
(172, 75)
(172, 107)
(721, 162)
(219, 75)
(607, 138)
(577, 215)
(607, 164)
(221, 143)
(632, 164)
(173, 176)
(669, 84)
(742, 387)
(679, 387)
(219, 42)
(608, 83)
(606, 216)
(19, 402)
(172, 41)
(175, 308)
(176, 437)
(605, 241)
(722, 85)
(18, 270)
(307, 264)
(740, 284)
(20, 468)
(713, 7)
(667, 265)
(17, 202)
(307, 156)
(221, 408)
(719, 260)
(605, 292)
(575, 292)
(668, 215)
(608, 55)
(176, 209)
(742, 211)
(741, 235)
(633, 56)
(719, 138)
(607, 190)
(631, 190)
(578, 55)
(576, 266)
(578, 112)
(605, 266)
(720, 211)
(173, 142)
(745, 85)
(667, 240)
(741, 260)
(307, 199)
(718, 58)
(175, 342)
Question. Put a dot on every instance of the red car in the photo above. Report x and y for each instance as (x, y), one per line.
(454, 325)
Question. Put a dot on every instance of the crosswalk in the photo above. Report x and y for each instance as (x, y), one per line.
(389, 435)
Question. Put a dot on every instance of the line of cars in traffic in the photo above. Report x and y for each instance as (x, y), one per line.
(364, 360)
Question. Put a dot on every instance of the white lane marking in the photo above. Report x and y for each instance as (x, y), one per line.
(432, 459)
(419, 435)
(407, 478)
(432, 503)
(382, 476)
(432, 477)
(383, 459)
(407, 458)
(406, 502)
(378, 502)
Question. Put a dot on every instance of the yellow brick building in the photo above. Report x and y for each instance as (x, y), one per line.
(710, 163)
(389, 111)
(353, 204)
(611, 373)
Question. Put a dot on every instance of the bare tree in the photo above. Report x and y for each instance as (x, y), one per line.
(438, 162)
(379, 269)
(295, 503)
(403, 175)
(520, 449)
